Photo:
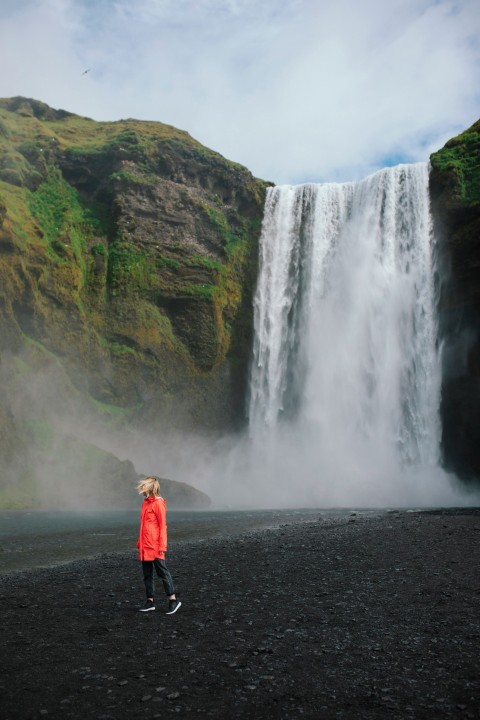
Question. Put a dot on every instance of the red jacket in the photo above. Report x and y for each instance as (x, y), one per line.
(152, 538)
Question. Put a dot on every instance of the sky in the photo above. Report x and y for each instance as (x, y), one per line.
(296, 90)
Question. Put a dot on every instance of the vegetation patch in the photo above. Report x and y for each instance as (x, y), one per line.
(99, 249)
(230, 236)
(461, 158)
(165, 261)
(203, 261)
(202, 292)
(18, 222)
(129, 267)
(60, 216)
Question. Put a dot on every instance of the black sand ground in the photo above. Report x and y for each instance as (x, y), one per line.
(361, 617)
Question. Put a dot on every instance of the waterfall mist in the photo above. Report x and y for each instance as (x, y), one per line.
(345, 380)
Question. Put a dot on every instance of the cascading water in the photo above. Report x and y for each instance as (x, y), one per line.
(345, 381)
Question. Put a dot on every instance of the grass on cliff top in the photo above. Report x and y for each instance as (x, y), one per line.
(34, 192)
(15, 128)
(137, 138)
(133, 138)
(75, 130)
(461, 156)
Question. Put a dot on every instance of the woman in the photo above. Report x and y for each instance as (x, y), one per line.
(152, 543)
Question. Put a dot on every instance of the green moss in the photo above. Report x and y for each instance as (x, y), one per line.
(99, 249)
(33, 152)
(165, 261)
(18, 216)
(134, 139)
(230, 236)
(203, 262)
(13, 176)
(129, 266)
(97, 216)
(60, 216)
(207, 155)
(461, 159)
(126, 137)
(120, 349)
(203, 292)
(12, 162)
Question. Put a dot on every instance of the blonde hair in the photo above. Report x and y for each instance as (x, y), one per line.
(149, 485)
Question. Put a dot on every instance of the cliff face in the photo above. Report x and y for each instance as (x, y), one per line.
(455, 191)
(128, 258)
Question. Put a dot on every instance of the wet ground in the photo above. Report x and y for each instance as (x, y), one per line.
(355, 616)
(35, 538)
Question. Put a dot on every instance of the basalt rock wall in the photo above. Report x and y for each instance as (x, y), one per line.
(455, 192)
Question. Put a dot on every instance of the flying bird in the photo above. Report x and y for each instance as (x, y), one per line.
(86, 71)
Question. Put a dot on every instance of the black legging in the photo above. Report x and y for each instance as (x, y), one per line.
(162, 572)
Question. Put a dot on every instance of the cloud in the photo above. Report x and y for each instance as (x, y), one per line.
(298, 91)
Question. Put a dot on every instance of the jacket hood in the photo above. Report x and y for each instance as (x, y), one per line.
(152, 498)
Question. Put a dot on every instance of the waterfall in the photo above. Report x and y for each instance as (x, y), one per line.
(345, 379)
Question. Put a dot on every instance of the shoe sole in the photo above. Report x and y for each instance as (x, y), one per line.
(172, 612)
(146, 609)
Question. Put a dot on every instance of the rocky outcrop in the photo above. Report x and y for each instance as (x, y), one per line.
(455, 192)
(128, 259)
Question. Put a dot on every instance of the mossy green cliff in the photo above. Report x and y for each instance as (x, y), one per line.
(128, 259)
(455, 192)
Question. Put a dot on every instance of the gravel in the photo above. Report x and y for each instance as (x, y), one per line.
(366, 615)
